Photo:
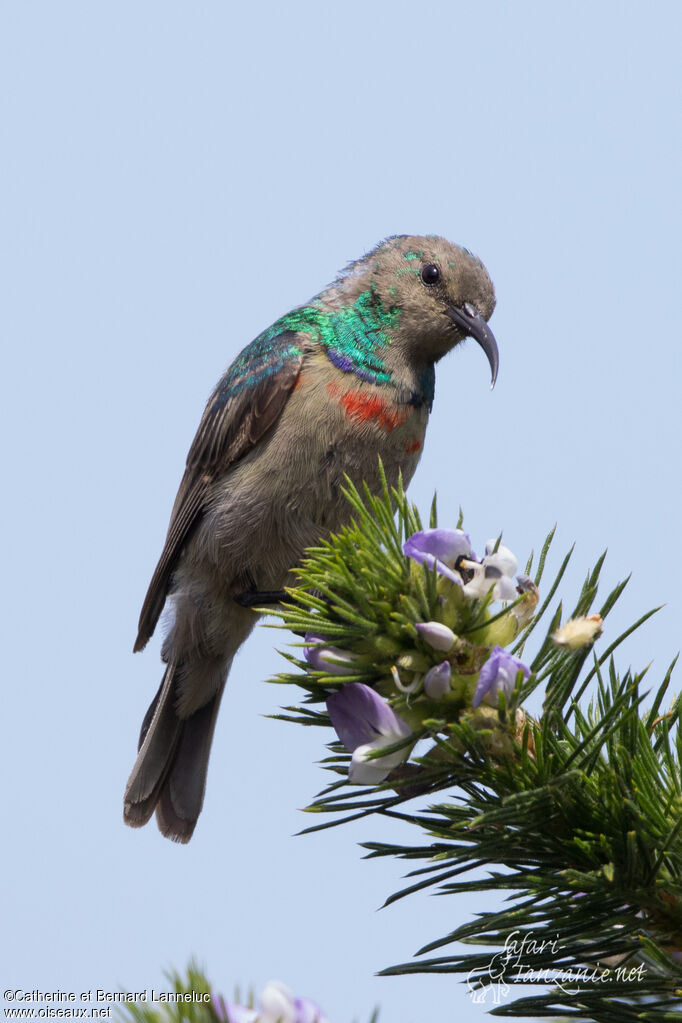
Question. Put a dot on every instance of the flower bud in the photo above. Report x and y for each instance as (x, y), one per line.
(331, 659)
(437, 635)
(437, 681)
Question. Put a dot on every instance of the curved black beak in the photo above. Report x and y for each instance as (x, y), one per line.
(472, 324)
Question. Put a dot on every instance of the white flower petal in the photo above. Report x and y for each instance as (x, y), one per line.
(479, 585)
(277, 1004)
(366, 771)
(505, 590)
(502, 558)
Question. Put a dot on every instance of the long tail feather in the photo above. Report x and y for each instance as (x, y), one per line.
(169, 775)
(182, 795)
(158, 740)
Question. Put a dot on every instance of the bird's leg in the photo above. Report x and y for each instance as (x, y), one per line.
(258, 598)
(255, 598)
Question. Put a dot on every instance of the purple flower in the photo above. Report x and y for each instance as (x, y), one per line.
(308, 1011)
(437, 635)
(321, 656)
(277, 1005)
(498, 674)
(443, 548)
(437, 681)
(439, 547)
(364, 723)
(230, 1012)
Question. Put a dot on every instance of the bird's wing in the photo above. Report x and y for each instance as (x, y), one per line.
(245, 404)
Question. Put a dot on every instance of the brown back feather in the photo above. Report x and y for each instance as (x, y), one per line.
(228, 430)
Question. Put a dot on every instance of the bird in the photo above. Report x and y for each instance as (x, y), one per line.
(334, 389)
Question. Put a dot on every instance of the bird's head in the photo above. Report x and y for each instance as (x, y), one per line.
(437, 294)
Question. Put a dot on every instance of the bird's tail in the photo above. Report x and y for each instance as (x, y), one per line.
(169, 775)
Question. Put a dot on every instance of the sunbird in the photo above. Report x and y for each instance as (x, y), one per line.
(329, 391)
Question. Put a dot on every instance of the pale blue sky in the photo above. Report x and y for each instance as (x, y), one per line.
(174, 177)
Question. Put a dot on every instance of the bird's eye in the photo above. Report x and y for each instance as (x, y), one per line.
(430, 274)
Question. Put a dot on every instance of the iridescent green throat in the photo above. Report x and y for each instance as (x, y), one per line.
(354, 336)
